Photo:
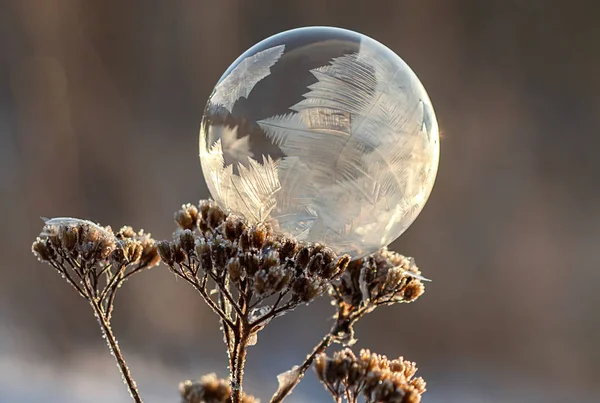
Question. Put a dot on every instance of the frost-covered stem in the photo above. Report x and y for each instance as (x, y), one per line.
(342, 325)
(237, 376)
(113, 346)
(241, 341)
(319, 348)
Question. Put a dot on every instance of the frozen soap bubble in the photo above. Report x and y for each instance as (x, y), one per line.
(325, 133)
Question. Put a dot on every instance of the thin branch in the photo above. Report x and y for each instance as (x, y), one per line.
(225, 292)
(227, 330)
(206, 297)
(340, 326)
(274, 312)
(282, 393)
(110, 304)
(269, 315)
(113, 346)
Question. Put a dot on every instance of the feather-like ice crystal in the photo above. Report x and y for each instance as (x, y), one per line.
(325, 133)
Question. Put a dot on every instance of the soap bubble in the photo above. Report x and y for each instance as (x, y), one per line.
(326, 134)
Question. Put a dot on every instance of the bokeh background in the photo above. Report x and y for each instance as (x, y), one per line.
(100, 105)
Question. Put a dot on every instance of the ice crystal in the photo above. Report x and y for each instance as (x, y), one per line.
(244, 76)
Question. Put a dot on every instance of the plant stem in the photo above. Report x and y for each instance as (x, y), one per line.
(113, 346)
(282, 393)
(238, 370)
(341, 325)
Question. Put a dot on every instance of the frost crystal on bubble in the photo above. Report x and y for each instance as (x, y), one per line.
(347, 135)
(240, 81)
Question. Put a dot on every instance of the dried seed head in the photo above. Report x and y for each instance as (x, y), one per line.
(178, 253)
(271, 259)
(315, 264)
(209, 389)
(250, 262)
(260, 282)
(90, 250)
(374, 376)
(204, 208)
(187, 216)
(287, 249)
(132, 250)
(43, 250)
(335, 267)
(202, 247)
(126, 232)
(382, 278)
(187, 241)
(279, 278)
(258, 235)
(234, 269)
(210, 216)
(52, 235)
(204, 253)
(233, 228)
(307, 289)
(413, 290)
(303, 257)
(245, 241)
(68, 236)
(165, 252)
(149, 256)
(216, 216)
(220, 256)
(95, 242)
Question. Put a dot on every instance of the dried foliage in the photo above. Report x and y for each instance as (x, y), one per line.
(248, 274)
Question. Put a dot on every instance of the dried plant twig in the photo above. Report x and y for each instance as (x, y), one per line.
(96, 262)
(245, 273)
(248, 275)
(383, 278)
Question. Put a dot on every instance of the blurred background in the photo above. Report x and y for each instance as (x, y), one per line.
(100, 105)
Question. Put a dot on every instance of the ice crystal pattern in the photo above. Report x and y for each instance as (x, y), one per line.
(245, 76)
(356, 156)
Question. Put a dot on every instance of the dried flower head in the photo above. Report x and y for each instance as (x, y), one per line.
(382, 278)
(187, 217)
(371, 375)
(96, 262)
(248, 275)
(249, 261)
(93, 259)
(209, 389)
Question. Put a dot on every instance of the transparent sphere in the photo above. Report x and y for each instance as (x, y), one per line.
(325, 133)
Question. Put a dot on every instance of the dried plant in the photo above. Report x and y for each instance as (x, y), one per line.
(248, 275)
(371, 375)
(96, 262)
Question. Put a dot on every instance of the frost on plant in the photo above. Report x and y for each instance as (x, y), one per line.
(246, 273)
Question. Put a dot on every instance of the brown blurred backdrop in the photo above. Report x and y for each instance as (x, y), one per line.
(100, 105)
